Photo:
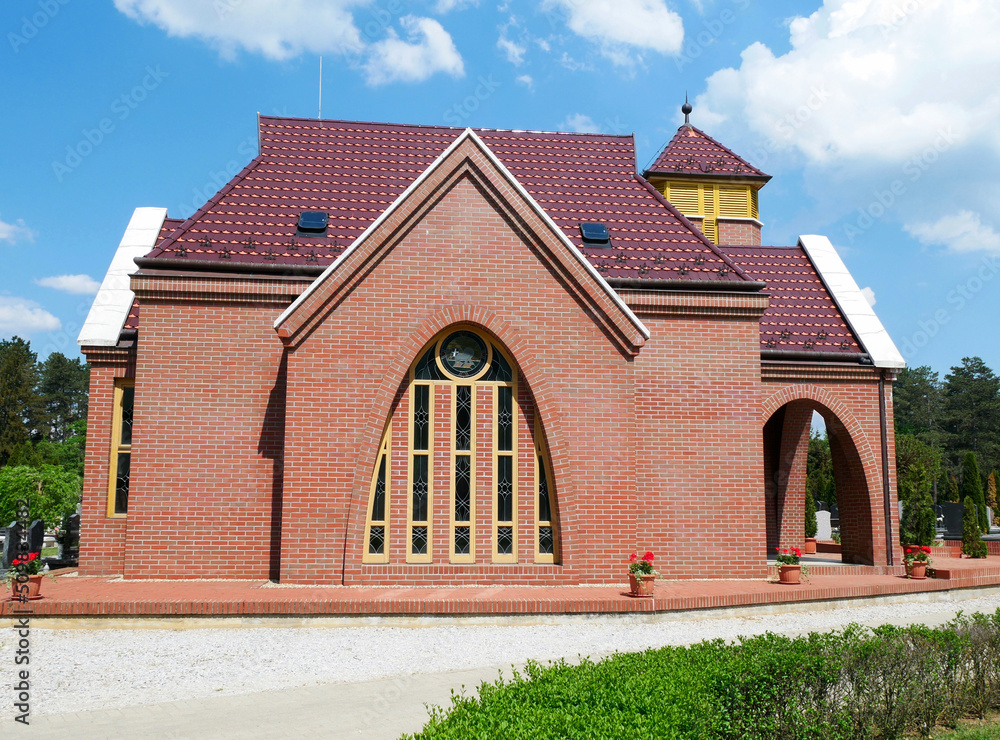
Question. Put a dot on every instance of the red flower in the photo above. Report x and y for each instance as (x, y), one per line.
(797, 551)
(633, 558)
(778, 549)
(648, 557)
(926, 550)
(909, 550)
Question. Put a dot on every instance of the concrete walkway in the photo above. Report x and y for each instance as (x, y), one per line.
(371, 709)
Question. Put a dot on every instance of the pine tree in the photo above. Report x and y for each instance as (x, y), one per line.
(972, 536)
(810, 515)
(20, 406)
(63, 390)
(972, 487)
(991, 491)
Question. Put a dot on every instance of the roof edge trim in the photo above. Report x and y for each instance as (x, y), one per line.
(109, 311)
(853, 306)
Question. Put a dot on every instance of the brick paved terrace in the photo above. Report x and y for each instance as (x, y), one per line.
(73, 595)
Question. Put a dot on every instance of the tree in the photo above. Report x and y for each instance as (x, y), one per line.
(811, 525)
(819, 470)
(915, 460)
(972, 487)
(20, 406)
(918, 525)
(63, 390)
(972, 536)
(917, 404)
(991, 491)
(51, 493)
(972, 412)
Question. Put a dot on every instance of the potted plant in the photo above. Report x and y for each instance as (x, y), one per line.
(25, 576)
(641, 575)
(789, 567)
(917, 559)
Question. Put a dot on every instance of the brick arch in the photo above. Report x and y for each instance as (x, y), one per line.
(524, 353)
(859, 481)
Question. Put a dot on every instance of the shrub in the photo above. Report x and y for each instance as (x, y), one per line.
(918, 525)
(972, 536)
(810, 515)
(888, 682)
(972, 487)
(51, 492)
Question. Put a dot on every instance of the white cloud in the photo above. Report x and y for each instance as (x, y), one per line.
(22, 316)
(15, 232)
(427, 49)
(446, 6)
(622, 25)
(960, 232)
(580, 124)
(867, 80)
(75, 284)
(869, 295)
(525, 80)
(278, 29)
(512, 50)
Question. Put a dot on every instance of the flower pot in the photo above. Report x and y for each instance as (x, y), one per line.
(22, 590)
(789, 573)
(642, 585)
(916, 570)
(810, 546)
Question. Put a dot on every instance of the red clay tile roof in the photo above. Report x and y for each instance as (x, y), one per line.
(693, 152)
(132, 320)
(354, 171)
(801, 315)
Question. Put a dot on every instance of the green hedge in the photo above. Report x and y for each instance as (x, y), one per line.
(889, 682)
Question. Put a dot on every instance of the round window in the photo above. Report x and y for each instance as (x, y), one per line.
(463, 354)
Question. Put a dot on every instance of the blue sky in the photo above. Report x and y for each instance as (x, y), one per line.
(879, 119)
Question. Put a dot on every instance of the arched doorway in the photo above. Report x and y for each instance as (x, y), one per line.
(786, 449)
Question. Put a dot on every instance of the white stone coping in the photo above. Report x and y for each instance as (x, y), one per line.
(111, 305)
(853, 305)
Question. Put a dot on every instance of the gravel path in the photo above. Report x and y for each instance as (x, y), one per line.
(76, 669)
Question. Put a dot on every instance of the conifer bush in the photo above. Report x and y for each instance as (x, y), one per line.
(972, 536)
(972, 487)
(811, 525)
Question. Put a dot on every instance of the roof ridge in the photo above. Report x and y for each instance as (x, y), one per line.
(659, 166)
(458, 129)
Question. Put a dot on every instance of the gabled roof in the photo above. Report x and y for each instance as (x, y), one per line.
(468, 156)
(693, 152)
(801, 315)
(354, 171)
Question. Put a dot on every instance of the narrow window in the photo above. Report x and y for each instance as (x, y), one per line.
(545, 527)
(462, 457)
(121, 447)
(505, 550)
(378, 520)
(420, 473)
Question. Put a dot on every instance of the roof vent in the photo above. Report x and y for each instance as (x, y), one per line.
(312, 223)
(595, 234)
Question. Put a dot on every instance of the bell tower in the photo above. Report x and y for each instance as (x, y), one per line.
(715, 188)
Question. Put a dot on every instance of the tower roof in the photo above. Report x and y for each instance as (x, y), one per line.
(693, 152)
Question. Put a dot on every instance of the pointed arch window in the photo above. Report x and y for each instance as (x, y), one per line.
(460, 424)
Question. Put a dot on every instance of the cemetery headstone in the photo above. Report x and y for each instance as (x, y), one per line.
(11, 545)
(824, 531)
(69, 544)
(36, 536)
(953, 512)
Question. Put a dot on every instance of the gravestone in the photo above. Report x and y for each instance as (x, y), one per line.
(953, 512)
(11, 545)
(824, 531)
(36, 536)
(834, 516)
(69, 544)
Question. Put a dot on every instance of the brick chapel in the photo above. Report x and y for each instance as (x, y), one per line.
(419, 355)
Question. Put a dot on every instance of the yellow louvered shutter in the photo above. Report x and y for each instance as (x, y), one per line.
(710, 228)
(734, 201)
(684, 197)
(754, 211)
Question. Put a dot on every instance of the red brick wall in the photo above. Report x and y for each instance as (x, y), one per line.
(102, 539)
(738, 232)
(345, 375)
(206, 460)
